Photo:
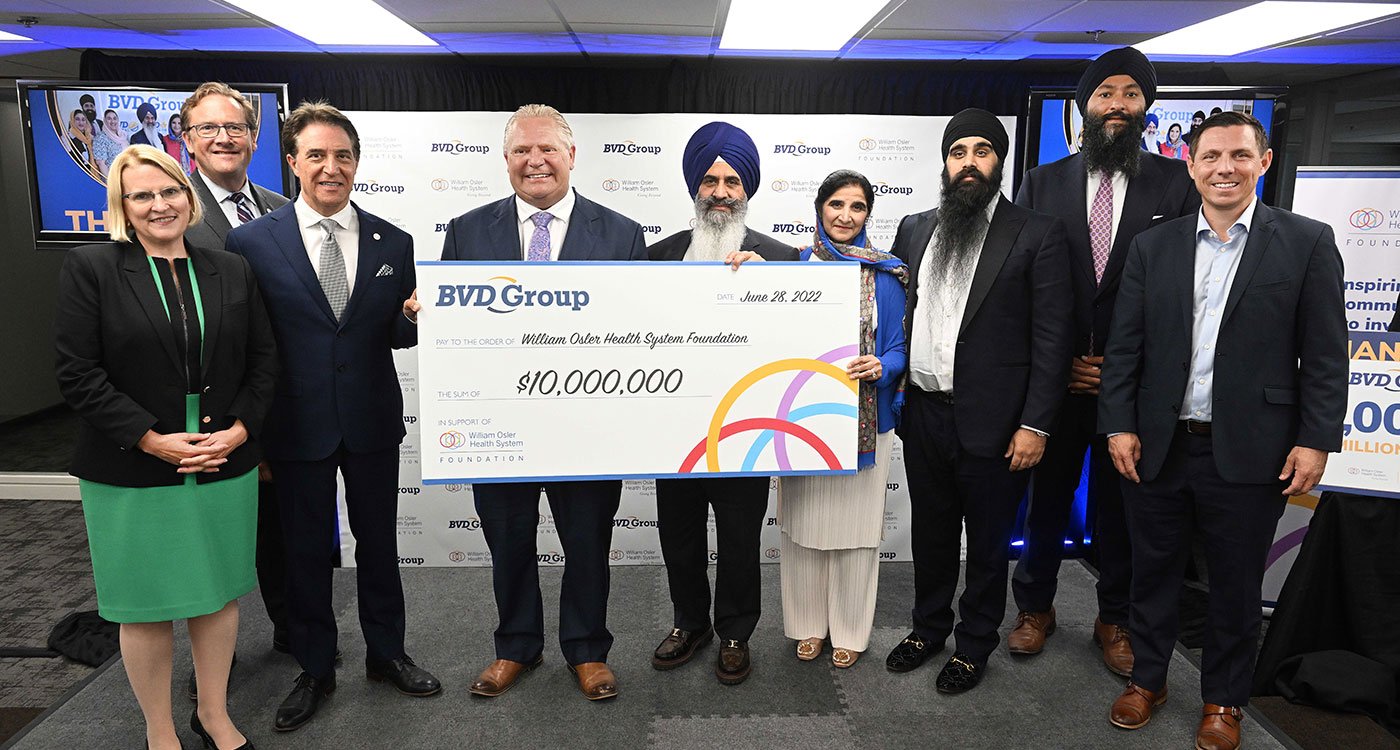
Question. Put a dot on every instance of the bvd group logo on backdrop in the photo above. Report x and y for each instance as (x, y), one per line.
(800, 148)
(454, 148)
(631, 148)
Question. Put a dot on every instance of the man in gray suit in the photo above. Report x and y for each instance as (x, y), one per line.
(220, 132)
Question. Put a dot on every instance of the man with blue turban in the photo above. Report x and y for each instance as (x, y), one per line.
(720, 165)
(149, 134)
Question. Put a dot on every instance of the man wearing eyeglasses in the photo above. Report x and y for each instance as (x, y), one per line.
(221, 135)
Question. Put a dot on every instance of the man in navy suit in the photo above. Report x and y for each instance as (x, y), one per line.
(1230, 321)
(987, 320)
(335, 279)
(1106, 194)
(543, 221)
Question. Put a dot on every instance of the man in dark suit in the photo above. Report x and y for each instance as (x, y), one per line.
(1230, 321)
(228, 197)
(335, 279)
(721, 168)
(988, 326)
(545, 220)
(1106, 194)
(150, 122)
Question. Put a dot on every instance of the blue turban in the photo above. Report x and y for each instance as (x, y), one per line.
(143, 109)
(720, 139)
(1151, 119)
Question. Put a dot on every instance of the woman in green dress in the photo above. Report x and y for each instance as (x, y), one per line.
(166, 353)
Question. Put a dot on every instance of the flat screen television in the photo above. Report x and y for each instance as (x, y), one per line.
(1054, 125)
(67, 177)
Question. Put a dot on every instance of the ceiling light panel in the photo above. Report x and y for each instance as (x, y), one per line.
(362, 23)
(808, 25)
(1265, 24)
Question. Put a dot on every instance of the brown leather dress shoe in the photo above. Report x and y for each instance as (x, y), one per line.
(1133, 709)
(1220, 727)
(595, 680)
(501, 676)
(1032, 628)
(1117, 648)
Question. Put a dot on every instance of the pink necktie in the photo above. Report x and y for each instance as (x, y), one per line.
(1101, 225)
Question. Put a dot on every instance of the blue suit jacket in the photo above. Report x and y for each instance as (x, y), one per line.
(338, 382)
(492, 232)
(1280, 358)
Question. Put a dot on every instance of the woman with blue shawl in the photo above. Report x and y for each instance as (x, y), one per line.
(832, 525)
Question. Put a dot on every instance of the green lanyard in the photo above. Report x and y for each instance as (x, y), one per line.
(194, 291)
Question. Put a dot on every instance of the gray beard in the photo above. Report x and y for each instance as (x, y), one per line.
(716, 233)
(152, 135)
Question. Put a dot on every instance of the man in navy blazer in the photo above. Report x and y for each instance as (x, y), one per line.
(335, 279)
(546, 220)
(987, 321)
(1106, 194)
(1229, 322)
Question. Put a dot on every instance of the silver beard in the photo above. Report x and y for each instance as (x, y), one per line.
(152, 135)
(717, 233)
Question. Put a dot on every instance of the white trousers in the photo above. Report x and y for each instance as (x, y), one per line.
(829, 592)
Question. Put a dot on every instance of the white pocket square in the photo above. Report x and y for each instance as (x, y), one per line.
(384, 270)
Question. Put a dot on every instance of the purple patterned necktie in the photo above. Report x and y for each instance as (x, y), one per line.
(240, 204)
(539, 241)
(1101, 225)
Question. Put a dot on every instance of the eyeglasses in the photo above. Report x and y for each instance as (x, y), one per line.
(209, 129)
(144, 197)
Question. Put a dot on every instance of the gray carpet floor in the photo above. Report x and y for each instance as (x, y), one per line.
(1059, 699)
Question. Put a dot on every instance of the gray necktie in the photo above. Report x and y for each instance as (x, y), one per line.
(332, 271)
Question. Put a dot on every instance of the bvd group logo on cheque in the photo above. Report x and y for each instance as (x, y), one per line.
(1366, 219)
(775, 429)
(503, 294)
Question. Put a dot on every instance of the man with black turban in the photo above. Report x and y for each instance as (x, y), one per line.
(987, 321)
(720, 165)
(1106, 194)
(149, 134)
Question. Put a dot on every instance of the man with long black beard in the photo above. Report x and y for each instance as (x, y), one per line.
(987, 321)
(720, 165)
(1106, 194)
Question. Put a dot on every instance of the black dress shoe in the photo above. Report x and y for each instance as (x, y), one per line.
(733, 666)
(408, 677)
(301, 704)
(959, 674)
(192, 686)
(677, 648)
(910, 654)
(198, 728)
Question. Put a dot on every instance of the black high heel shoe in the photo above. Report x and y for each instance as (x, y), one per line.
(209, 741)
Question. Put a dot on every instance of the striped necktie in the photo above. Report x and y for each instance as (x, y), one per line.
(240, 203)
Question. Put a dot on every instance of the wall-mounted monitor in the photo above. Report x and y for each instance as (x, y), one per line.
(73, 130)
(1054, 126)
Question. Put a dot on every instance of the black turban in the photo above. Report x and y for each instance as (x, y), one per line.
(976, 122)
(720, 140)
(1122, 61)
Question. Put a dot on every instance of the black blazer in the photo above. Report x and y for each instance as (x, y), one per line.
(1280, 359)
(492, 232)
(1011, 365)
(214, 227)
(1161, 191)
(118, 367)
(674, 247)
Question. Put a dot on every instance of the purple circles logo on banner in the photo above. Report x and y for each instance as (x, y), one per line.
(1366, 219)
(454, 487)
(452, 439)
(867, 144)
(456, 555)
(439, 184)
(611, 185)
(615, 555)
(780, 186)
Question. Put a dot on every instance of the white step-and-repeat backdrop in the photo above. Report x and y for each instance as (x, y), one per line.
(421, 169)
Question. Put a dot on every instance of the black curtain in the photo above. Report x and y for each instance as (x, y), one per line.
(453, 83)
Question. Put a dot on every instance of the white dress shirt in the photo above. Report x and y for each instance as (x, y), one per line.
(1120, 191)
(347, 236)
(227, 206)
(1216, 263)
(558, 226)
(939, 311)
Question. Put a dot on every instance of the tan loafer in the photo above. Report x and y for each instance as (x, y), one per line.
(844, 658)
(501, 676)
(809, 648)
(595, 680)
